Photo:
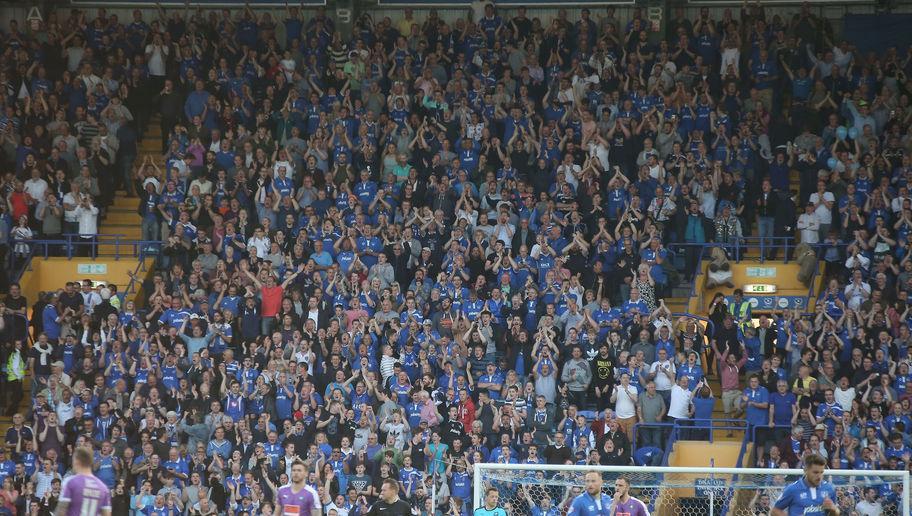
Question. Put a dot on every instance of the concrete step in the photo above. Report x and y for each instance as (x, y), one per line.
(24, 405)
(128, 232)
(682, 292)
(125, 210)
(122, 229)
(122, 216)
(122, 201)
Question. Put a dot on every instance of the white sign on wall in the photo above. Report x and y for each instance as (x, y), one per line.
(91, 268)
(760, 272)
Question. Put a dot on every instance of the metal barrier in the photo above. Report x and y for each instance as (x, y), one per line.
(710, 425)
(755, 429)
(749, 437)
(638, 426)
(787, 244)
(685, 428)
(742, 244)
(68, 245)
(134, 277)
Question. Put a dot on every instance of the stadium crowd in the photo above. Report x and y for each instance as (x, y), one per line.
(443, 242)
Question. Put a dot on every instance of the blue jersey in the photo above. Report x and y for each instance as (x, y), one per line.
(497, 511)
(586, 505)
(801, 499)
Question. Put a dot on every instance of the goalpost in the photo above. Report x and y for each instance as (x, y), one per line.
(682, 491)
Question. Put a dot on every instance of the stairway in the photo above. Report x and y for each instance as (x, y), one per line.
(678, 303)
(122, 217)
(24, 405)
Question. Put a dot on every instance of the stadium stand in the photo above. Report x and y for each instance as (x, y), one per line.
(235, 240)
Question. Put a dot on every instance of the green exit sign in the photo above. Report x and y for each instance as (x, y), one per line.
(759, 289)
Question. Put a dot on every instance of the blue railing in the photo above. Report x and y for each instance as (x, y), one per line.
(749, 437)
(687, 427)
(737, 248)
(711, 425)
(70, 245)
(650, 426)
(756, 428)
(683, 428)
(17, 264)
(783, 243)
(730, 491)
(140, 267)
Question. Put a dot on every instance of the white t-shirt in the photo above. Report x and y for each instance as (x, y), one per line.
(88, 220)
(844, 397)
(71, 199)
(262, 245)
(65, 411)
(866, 508)
(36, 188)
(157, 59)
(680, 402)
(625, 406)
(663, 383)
(857, 293)
(571, 173)
(823, 213)
(809, 224)
(288, 67)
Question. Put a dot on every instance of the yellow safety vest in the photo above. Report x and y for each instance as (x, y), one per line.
(740, 312)
(15, 367)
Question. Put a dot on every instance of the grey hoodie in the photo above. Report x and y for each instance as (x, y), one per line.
(576, 374)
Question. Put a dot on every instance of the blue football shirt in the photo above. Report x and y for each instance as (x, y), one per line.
(800, 499)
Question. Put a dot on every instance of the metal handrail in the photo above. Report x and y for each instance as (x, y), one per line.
(672, 438)
(729, 424)
(785, 243)
(636, 428)
(683, 424)
(755, 428)
(19, 269)
(141, 266)
(740, 464)
(73, 241)
(761, 242)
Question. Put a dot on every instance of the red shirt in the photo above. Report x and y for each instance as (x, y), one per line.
(272, 301)
(19, 204)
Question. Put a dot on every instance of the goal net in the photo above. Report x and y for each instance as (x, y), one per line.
(682, 491)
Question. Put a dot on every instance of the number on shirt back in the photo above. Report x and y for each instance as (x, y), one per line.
(89, 506)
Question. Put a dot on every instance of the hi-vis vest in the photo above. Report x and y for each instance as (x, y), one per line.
(15, 367)
(740, 311)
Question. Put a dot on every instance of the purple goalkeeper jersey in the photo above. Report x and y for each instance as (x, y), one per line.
(632, 507)
(296, 504)
(85, 494)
